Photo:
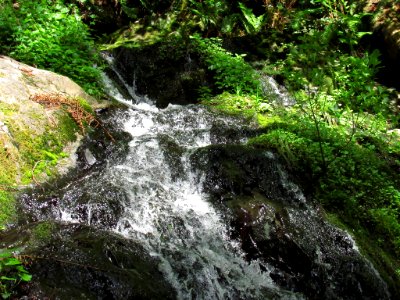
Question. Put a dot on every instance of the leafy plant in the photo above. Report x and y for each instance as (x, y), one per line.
(231, 72)
(252, 23)
(12, 273)
(51, 35)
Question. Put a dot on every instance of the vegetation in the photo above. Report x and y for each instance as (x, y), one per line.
(12, 273)
(341, 134)
(49, 34)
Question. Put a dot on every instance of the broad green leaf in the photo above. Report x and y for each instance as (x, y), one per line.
(12, 262)
(25, 277)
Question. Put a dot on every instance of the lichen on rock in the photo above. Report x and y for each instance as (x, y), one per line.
(36, 141)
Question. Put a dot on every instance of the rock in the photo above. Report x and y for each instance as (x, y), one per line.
(277, 225)
(19, 81)
(387, 23)
(386, 38)
(71, 261)
(241, 170)
(28, 128)
(163, 72)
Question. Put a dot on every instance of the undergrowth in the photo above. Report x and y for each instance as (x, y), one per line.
(50, 35)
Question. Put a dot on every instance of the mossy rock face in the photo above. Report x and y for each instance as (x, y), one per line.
(36, 142)
(165, 72)
(79, 262)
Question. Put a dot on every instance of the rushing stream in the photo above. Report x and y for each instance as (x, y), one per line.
(164, 206)
(153, 193)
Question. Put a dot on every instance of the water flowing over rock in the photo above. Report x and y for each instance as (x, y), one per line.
(179, 199)
(162, 78)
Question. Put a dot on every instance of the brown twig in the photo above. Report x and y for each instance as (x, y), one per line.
(72, 106)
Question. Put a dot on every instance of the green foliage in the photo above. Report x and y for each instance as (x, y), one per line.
(209, 14)
(42, 232)
(231, 72)
(233, 104)
(252, 23)
(12, 273)
(350, 159)
(50, 35)
(7, 207)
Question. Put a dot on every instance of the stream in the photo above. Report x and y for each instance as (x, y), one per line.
(166, 195)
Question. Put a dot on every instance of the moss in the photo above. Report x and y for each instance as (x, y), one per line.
(8, 163)
(265, 120)
(42, 232)
(233, 104)
(7, 208)
(85, 105)
(7, 109)
(32, 149)
(67, 128)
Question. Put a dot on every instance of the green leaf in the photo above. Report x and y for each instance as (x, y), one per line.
(12, 262)
(5, 295)
(25, 277)
(7, 278)
(5, 253)
(362, 33)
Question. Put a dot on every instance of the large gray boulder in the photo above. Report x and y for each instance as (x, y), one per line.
(28, 128)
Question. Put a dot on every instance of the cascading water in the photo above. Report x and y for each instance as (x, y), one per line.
(155, 195)
(165, 209)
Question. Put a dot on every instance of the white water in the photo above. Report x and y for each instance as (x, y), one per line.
(171, 216)
(165, 208)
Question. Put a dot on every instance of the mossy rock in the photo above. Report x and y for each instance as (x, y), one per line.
(37, 141)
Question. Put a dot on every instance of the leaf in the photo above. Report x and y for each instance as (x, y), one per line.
(362, 33)
(12, 262)
(25, 277)
(7, 278)
(5, 253)
(5, 295)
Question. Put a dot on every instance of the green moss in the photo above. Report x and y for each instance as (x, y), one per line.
(265, 120)
(233, 104)
(37, 154)
(7, 208)
(30, 155)
(85, 105)
(7, 109)
(43, 231)
(8, 164)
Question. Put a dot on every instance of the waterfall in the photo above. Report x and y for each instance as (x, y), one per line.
(154, 195)
(166, 210)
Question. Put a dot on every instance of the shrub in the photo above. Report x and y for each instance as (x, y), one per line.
(50, 35)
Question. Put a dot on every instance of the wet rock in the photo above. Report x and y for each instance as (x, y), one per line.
(275, 224)
(79, 262)
(173, 153)
(97, 203)
(241, 170)
(163, 72)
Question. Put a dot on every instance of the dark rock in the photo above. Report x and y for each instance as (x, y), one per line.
(80, 262)
(242, 170)
(164, 72)
(276, 225)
